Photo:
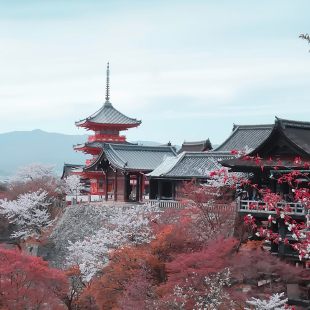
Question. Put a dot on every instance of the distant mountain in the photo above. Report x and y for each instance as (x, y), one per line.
(20, 148)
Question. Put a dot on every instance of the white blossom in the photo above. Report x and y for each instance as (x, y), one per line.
(274, 302)
(29, 212)
(33, 171)
(72, 185)
(127, 224)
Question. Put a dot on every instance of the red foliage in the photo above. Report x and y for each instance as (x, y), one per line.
(28, 283)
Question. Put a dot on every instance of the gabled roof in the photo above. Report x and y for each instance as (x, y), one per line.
(188, 165)
(195, 146)
(128, 157)
(67, 169)
(287, 140)
(245, 137)
(108, 115)
(298, 132)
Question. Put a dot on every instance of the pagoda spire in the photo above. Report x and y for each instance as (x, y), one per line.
(107, 95)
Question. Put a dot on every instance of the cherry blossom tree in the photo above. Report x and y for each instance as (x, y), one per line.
(128, 224)
(32, 178)
(72, 185)
(34, 171)
(29, 213)
(273, 302)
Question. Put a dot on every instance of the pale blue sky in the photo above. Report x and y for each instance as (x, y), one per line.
(187, 69)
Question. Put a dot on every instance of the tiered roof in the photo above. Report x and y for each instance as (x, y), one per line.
(107, 115)
(196, 146)
(96, 145)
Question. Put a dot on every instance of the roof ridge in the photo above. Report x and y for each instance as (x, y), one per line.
(259, 126)
(291, 123)
(142, 147)
(195, 142)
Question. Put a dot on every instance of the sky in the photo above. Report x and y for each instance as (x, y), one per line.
(187, 69)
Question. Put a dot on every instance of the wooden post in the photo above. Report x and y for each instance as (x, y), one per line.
(106, 185)
(138, 188)
(125, 187)
(115, 185)
(160, 185)
(173, 190)
(141, 186)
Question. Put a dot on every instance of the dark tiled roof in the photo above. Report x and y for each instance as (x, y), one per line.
(67, 169)
(296, 131)
(245, 137)
(133, 157)
(196, 146)
(297, 135)
(109, 115)
(97, 144)
(190, 164)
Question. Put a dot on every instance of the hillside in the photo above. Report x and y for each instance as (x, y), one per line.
(19, 148)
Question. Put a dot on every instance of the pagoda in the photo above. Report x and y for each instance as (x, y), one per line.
(106, 123)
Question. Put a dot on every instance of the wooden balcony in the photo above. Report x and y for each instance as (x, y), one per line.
(261, 209)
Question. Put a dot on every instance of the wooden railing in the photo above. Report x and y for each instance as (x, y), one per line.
(252, 206)
(112, 138)
(165, 203)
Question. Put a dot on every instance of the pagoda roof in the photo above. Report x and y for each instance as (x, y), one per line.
(128, 157)
(96, 144)
(108, 115)
(188, 165)
(245, 137)
(195, 146)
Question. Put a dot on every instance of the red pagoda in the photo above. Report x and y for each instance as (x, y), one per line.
(106, 123)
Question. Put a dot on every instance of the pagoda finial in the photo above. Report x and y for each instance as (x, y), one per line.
(107, 96)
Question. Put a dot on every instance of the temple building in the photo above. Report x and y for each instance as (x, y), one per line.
(116, 171)
(196, 146)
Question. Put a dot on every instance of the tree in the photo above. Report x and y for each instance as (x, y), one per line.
(128, 224)
(28, 283)
(29, 213)
(274, 302)
(34, 171)
(73, 186)
(32, 178)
